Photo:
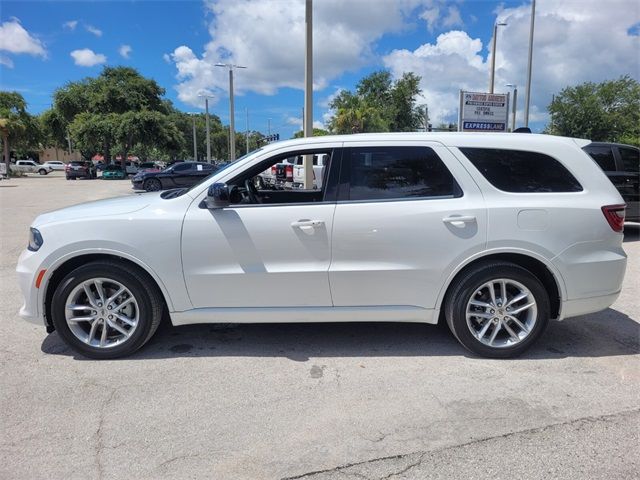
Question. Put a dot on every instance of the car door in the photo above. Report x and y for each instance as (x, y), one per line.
(181, 175)
(629, 179)
(407, 213)
(260, 255)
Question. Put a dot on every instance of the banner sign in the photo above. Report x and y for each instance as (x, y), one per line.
(483, 112)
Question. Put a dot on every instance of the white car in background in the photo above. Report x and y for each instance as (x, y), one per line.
(30, 166)
(55, 165)
(495, 234)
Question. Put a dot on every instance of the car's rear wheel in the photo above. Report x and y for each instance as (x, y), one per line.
(497, 310)
(42, 171)
(106, 309)
(152, 185)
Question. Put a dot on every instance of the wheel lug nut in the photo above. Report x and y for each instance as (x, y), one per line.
(93, 312)
(508, 309)
(493, 311)
(109, 307)
(99, 304)
(110, 317)
(499, 304)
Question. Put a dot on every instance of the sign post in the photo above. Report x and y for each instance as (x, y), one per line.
(483, 112)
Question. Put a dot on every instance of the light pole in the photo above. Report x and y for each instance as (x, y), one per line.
(529, 65)
(308, 91)
(493, 53)
(246, 110)
(232, 131)
(195, 141)
(515, 101)
(206, 108)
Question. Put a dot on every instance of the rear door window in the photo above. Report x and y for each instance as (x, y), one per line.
(402, 172)
(630, 159)
(603, 155)
(520, 171)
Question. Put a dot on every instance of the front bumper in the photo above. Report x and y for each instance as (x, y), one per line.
(27, 270)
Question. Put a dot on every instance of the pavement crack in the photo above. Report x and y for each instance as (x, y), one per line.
(341, 469)
(99, 446)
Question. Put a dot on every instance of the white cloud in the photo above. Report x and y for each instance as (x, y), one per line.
(70, 25)
(125, 51)
(15, 39)
(87, 57)
(296, 121)
(452, 18)
(574, 42)
(94, 30)
(6, 61)
(166, 57)
(272, 43)
(439, 15)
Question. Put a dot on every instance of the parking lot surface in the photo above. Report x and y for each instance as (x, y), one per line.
(312, 401)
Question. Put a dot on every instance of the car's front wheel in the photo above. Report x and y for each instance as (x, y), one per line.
(42, 171)
(152, 185)
(497, 310)
(106, 309)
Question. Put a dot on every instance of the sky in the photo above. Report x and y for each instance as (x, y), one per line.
(45, 44)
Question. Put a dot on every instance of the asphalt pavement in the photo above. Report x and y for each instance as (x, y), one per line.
(312, 401)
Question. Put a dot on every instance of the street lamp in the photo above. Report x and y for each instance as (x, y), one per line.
(529, 64)
(493, 53)
(206, 108)
(515, 100)
(232, 132)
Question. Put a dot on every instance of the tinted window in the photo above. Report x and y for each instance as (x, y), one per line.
(521, 171)
(182, 167)
(630, 159)
(603, 155)
(398, 172)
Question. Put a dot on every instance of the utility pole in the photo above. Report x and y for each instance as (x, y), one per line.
(246, 111)
(195, 143)
(515, 105)
(268, 126)
(493, 54)
(232, 127)
(206, 107)
(308, 91)
(530, 64)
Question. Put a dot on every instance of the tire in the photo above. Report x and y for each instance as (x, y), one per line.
(145, 310)
(469, 321)
(152, 185)
(68, 178)
(42, 171)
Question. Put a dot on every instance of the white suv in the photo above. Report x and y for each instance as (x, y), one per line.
(493, 233)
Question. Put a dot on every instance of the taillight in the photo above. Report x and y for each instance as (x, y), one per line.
(288, 172)
(273, 170)
(615, 216)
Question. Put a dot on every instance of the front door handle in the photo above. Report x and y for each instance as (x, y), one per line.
(459, 220)
(307, 223)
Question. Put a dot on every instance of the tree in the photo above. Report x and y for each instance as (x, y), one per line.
(379, 104)
(117, 110)
(16, 125)
(317, 132)
(607, 111)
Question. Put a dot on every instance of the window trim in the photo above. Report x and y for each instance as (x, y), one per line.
(335, 153)
(344, 184)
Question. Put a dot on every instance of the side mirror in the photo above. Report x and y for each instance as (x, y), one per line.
(218, 196)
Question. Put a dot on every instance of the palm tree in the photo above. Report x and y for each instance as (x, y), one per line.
(14, 120)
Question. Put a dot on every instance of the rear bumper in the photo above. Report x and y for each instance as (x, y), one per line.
(573, 308)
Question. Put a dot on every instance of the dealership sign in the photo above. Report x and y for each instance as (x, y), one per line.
(483, 112)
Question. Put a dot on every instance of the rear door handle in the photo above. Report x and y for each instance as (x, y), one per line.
(307, 223)
(459, 220)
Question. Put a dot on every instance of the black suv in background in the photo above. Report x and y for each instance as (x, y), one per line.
(621, 163)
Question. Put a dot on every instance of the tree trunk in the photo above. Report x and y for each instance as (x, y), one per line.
(5, 143)
(107, 153)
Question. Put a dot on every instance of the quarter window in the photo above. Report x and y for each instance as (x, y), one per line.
(379, 173)
(522, 171)
(630, 159)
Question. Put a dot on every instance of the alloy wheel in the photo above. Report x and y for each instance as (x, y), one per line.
(501, 313)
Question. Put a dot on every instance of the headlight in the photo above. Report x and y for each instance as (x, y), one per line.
(35, 240)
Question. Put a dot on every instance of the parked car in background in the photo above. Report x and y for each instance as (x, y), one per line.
(30, 166)
(621, 163)
(270, 179)
(100, 165)
(80, 169)
(180, 174)
(149, 167)
(114, 171)
(319, 163)
(55, 165)
(131, 168)
(496, 234)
